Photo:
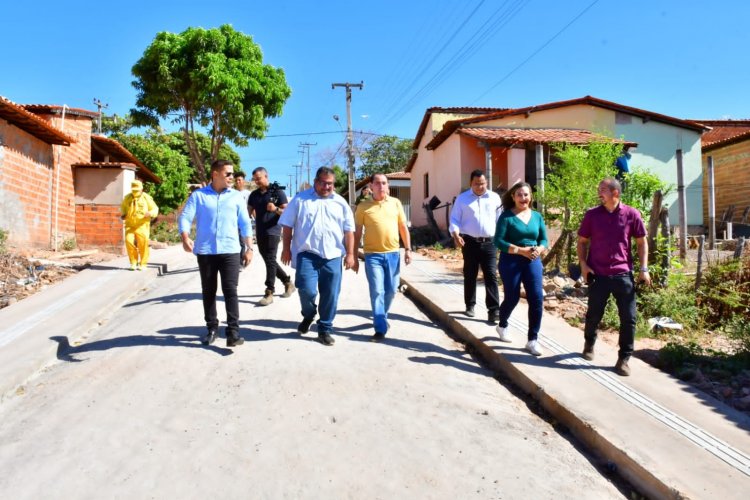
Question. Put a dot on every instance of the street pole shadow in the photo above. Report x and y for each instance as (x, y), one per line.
(178, 338)
(169, 299)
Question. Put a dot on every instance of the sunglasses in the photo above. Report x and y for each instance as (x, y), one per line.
(229, 174)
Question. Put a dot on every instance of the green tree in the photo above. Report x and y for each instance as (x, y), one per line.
(176, 141)
(342, 179)
(572, 187)
(213, 79)
(385, 154)
(154, 150)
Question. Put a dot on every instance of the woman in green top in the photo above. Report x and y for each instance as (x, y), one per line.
(521, 237)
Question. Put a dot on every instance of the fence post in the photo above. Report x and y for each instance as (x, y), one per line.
(698, 272)
(740, 247)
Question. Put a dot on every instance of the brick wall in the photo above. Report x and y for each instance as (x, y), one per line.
(99, 226)
(25, 187)
(731, 179)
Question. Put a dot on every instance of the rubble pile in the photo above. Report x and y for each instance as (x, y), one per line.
(21, 277)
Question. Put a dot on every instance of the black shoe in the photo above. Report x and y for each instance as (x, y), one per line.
(588, 351)
(209, 337)
(469, 311)
(235, 341)
(325, 338)
(378, 337)
(493, 317)
(304, 325)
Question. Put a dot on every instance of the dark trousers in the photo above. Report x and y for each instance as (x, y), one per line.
(268, 246)
(480, 254)
(228, 266)
(622, 287)
(514, 270)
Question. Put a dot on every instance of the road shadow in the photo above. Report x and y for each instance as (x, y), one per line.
(187, 337)
(169, 299)
(178, 271)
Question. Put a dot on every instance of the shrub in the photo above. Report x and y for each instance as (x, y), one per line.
(69, 244)
(3, 241)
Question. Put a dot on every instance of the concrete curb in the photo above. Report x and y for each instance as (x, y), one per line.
(641, 479)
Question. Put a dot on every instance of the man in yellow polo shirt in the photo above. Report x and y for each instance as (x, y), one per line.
(383, 220)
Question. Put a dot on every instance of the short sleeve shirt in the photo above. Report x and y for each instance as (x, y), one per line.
(610, 236)
(266, 223)
(380, 220)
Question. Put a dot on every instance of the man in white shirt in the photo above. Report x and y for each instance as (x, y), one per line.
(472, 225)
(317, 233)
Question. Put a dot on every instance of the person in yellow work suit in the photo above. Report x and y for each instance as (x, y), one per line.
(137, 209)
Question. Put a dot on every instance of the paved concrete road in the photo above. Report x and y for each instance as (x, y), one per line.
(142, 410)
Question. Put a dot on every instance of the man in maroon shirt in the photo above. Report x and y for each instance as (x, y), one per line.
(607, 265)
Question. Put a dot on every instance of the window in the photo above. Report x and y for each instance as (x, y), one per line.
(426, 185)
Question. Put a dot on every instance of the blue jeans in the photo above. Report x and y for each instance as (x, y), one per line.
(622, 287)
(316, 274)
(514, 270)
(382, 270)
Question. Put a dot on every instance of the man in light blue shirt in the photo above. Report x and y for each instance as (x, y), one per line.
(220, 213)
(317, 233)
(472, 225)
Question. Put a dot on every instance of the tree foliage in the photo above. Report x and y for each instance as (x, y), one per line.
(573, 183)
(385, 154)
(154, 150)
(212, 79)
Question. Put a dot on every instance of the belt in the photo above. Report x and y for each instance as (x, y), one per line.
(479, 240)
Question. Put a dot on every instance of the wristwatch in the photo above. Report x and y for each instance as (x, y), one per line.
(644, 269)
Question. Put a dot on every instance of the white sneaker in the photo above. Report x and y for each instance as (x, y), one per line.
(503, 334)
(534, 348)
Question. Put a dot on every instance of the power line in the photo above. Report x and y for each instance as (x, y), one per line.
(542, 47)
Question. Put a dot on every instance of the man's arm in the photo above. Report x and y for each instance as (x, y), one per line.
(286, 242)
(357, 238)
(403, 230)
(351, 257)
(455, 226)
(643, 274)
(582, 250)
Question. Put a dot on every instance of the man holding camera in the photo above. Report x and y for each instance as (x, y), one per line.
(268, 203)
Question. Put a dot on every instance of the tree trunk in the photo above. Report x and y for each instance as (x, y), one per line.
(653, 225)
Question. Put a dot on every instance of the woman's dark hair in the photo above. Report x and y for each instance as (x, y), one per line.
(507, 198)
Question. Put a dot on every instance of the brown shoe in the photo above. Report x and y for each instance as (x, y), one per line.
(288, 290)
(622, 368)
(267, 298)
(588, 351)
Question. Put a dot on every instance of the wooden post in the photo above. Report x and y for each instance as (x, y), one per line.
(682, 206)
(666, 234)
(653, 224)
(740, 247)
(699, 271)
(540, 175)
(711, 205)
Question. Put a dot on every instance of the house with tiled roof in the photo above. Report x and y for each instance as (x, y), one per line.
(505, 143)
(60, 182)
(728, 145)
(399, 186)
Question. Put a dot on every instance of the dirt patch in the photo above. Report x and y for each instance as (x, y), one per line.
(26, 272)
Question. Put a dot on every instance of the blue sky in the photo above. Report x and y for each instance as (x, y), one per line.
(681, 58)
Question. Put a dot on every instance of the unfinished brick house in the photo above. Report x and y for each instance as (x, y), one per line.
(58, 181)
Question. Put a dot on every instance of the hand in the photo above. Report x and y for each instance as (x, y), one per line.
(286, 257)
(247, 257)
(459, 241)
(187, 245)
(644, 277)
(349, 261)
(355, 267)
(271, 207)
(407, 257)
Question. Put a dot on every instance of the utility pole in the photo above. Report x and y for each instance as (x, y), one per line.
(349, 139)
(290, 184)
(306, 146)
(100, 106)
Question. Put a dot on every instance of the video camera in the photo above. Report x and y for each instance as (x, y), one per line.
(273, 191)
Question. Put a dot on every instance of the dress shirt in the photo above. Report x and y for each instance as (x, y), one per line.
(476, 215)
(219, 218)
(318, 224)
